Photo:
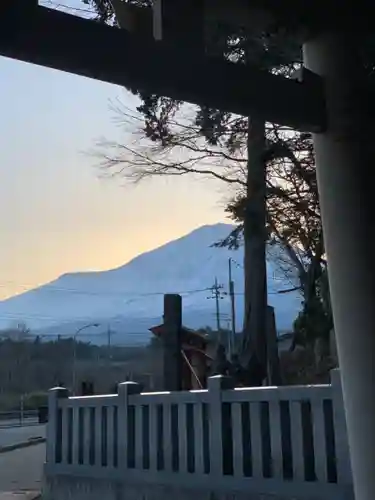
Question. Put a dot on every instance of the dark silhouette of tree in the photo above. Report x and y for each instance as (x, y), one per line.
(209, 133)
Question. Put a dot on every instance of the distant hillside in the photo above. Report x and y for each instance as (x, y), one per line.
(130, 298)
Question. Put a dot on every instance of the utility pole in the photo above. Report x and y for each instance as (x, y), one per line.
(216, 294)
(233, 308)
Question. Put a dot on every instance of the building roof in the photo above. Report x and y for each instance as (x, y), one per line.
(187, 334)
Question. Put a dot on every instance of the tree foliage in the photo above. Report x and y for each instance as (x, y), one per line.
(104, 11)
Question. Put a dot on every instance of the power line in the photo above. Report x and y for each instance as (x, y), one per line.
(53, 288)
(274, 277)
(43, 317)
(47, 288)
(278, 292)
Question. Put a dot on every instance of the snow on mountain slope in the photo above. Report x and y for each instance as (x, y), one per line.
(130, 298)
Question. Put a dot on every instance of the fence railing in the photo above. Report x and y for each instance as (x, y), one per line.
(276, 440)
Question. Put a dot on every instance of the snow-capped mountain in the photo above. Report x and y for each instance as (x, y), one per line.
(129, 299)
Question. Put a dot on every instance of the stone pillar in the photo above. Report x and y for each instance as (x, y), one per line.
(172, 355)
(345, 162)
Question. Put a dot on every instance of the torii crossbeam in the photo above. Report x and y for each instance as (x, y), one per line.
(65, 42)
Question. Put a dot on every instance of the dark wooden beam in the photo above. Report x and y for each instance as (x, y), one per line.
(298, 17)
(172, 343)
(68, 43)
(182, 22)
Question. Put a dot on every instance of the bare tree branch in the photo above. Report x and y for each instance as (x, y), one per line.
(292, 200)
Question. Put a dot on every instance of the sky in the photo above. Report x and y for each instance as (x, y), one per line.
(56, 214)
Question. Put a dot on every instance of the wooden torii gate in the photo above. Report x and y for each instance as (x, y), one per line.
(331, 100)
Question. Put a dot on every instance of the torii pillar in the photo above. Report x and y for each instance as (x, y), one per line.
(345, 163)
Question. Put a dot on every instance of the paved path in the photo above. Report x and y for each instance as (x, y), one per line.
(14, 435)
(21, 470)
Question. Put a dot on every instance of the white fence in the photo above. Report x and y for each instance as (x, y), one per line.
(287, 441)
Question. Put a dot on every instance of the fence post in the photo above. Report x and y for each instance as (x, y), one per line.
(124, 391)
(54, 395)
(216, 385)
(344, 474)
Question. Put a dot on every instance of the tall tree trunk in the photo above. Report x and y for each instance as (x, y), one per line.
(254, 346)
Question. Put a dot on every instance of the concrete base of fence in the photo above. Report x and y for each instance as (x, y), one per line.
(74, 488)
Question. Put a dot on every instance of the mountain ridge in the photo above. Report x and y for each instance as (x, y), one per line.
(130, 297)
